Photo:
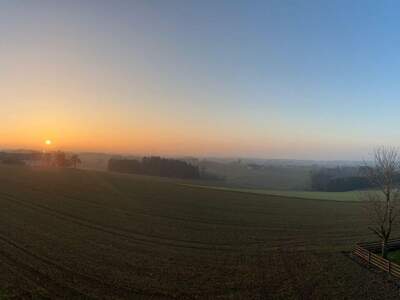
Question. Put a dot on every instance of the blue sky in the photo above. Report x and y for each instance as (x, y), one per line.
(284, 79)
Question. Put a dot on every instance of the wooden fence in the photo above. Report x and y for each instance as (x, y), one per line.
(366, 252)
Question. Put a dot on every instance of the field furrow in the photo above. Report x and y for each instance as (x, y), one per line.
(70, 234)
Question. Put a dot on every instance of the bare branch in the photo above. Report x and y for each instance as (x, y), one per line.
(383, 206)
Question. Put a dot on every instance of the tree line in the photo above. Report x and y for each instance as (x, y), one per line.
(343, 179)
(56, 159)
(333, 180)
(18, 158)
(155, 166)
(61, 159)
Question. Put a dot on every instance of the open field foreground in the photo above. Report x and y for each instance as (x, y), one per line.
(71, 234)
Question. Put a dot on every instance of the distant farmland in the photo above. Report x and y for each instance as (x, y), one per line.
(240, 175)
(317, 195)
(94, 235)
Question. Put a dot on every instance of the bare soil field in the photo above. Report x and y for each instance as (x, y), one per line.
(74, 234)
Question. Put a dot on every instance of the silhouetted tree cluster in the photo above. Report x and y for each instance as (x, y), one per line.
(13, 161)
(75, 160)
(341, 179)
(343, 184)
(338, 179)
(325, 181)
(57, 158)
(155, 166)
(19, 158)
(61, 160)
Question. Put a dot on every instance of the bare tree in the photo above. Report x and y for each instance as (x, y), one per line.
(60, 159)
(382, 204)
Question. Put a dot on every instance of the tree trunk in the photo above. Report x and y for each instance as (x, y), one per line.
(384, 250)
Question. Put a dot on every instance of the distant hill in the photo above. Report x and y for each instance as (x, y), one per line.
(277, 174)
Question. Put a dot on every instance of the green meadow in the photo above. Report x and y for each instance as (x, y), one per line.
(333, 196)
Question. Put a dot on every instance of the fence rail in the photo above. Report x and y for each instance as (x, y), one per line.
(366, 252)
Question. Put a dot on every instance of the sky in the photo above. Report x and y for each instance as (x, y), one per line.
(267, 79)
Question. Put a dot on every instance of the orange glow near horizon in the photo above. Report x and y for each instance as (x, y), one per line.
(142, 78)
(87, 103)
(150, 140)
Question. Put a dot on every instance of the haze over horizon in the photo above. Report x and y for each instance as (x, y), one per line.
(278, 79)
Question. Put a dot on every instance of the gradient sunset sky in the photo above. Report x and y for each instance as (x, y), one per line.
(268, 79)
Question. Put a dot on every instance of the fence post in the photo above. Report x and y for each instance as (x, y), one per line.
(369, 258)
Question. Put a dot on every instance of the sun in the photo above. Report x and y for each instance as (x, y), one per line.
(48, 142)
